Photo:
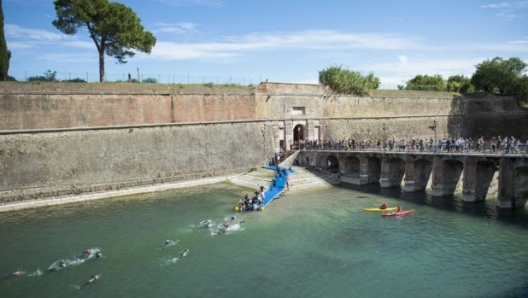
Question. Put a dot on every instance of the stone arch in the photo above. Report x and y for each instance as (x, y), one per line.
(332, 164)
(374, 169)
(422, 172)
(396, 171)
(446, 177)
(484, 175)
(298, 135)
(352, 167)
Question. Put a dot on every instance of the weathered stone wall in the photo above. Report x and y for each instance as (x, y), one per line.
(405, 113)
(73, 105)
(36, 165)
(67, 138)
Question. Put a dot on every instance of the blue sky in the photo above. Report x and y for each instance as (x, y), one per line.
(246, 41)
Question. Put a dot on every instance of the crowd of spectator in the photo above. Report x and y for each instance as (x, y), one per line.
(495, 144)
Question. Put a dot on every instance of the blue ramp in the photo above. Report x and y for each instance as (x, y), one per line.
(277, 188)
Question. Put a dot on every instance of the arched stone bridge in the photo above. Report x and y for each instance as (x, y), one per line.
(418, 170)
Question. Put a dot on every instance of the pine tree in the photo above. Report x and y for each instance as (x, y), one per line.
(5, 55)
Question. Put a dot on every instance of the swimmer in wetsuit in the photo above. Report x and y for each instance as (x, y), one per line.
(92, 279)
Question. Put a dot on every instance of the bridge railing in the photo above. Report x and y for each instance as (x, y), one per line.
(486, 148)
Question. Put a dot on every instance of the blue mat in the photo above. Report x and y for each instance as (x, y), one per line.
(277, 188)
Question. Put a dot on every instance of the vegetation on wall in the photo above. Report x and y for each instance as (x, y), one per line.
(503, 77)
(51, 76)
(115, 28)
(497, 76)
(456, 83)
(344, 81)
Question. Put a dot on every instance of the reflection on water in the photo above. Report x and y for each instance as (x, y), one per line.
(316, 243)
(485, 208)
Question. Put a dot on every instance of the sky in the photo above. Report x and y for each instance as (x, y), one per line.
(286, 41)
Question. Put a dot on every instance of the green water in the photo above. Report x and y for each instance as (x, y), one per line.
(314, 243)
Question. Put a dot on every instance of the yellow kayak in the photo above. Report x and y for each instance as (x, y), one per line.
(379, 210)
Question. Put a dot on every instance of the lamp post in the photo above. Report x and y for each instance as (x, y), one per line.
(433, 127)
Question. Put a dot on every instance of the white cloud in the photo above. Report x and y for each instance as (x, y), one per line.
(519, 42)
(395, 73)
(496, 5)
(324, 39)
(80, 44)
(508, 10)
(305, 40)
(507, 5)
(403, 59)
(19, 45)
(179, 28)
(18, 32)
(174, 51)
(68, 58)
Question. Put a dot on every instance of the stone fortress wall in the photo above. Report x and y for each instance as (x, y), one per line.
(66, 138)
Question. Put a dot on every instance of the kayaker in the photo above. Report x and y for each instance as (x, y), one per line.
(399, 209)
(383, 206)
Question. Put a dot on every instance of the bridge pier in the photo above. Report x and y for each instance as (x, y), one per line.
(356, 171)
(392, 171)
(477, 179)
(513, 183)
(417, 172)
(446, 174)
(361, 180)
(410, 184)
(389, 169)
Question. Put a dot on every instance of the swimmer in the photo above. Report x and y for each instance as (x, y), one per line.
(167, 243)
(184, 253)
(92, 279)
(99, 254)
(204, 224)
(36, 273)
(18, 273)
(56, 267)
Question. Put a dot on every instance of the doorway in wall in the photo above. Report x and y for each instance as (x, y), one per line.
(298, 135)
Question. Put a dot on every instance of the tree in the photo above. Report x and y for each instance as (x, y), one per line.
(460, 83)
(426, 83)
(344, 81)
(498, 75)
(49, 76)
(114, 28)
(373, 82)
(521, 90)
(150, 80)
(5, 54)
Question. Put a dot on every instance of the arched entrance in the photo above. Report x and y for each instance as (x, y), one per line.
(298, 135)
(332, 164)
